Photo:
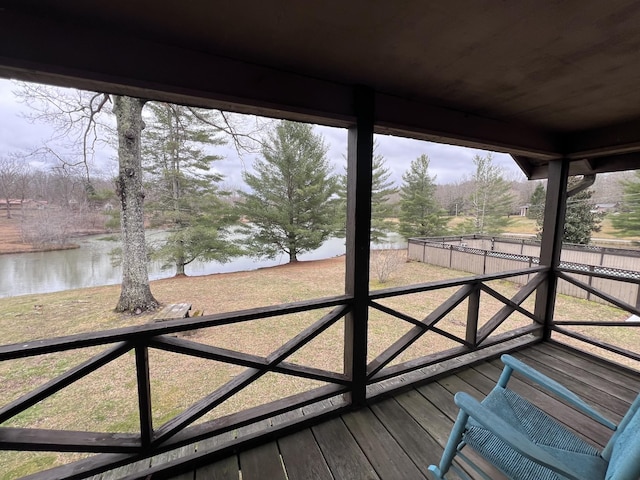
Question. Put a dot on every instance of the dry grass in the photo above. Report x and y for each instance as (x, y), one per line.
(106, 399)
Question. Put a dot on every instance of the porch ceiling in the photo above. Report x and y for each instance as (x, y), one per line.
(537, 79)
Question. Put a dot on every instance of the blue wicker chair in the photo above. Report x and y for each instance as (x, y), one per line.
(526, 444)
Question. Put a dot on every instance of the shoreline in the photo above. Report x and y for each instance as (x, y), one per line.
(28, 248)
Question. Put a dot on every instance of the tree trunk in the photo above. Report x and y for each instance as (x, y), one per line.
(180, 269)
(135, 294)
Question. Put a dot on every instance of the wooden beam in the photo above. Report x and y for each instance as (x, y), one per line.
(473, 310)
(358, 238)
(551, 245)
(416, 332)
(144, 394)
(34, 439)
(58, 383)
(83, 55)
(426, 287)
(600, 344)
(72, 54)
(408, 118)
(415, 364)
(101, 463)
(71, 342)
(584, 166)
(307, 335)
(187, 347)
(612, 140)
(599, 293)
(205, 405)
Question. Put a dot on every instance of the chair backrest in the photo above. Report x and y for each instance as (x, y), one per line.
(623, 450)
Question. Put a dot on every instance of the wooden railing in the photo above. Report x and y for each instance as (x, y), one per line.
(476, 338)
(568, 274)
(120, 448)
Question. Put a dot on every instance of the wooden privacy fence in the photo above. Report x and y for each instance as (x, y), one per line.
(487, 255)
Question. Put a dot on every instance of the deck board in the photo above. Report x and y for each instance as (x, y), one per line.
(225, 469)
(302, 457)
(386, 456)
(262, 462)
(413, 439)
(400, 436)
(340, 449)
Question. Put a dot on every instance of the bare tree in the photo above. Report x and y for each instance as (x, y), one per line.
(13, 175)
(82, 122)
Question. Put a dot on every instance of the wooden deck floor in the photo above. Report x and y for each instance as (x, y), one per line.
(399, 437)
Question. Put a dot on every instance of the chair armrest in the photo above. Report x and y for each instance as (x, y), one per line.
(517, 441)
(555, 387)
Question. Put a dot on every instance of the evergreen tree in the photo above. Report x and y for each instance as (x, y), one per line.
(420, 215)
(537, 201)
(292, 204)
(627, 222)
(491, 200)
(183, 189)
(382, 188)
(580, 218)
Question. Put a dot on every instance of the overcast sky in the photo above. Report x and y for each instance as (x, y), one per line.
(448, 163)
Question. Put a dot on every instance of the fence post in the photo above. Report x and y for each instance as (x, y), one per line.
(591, 269)
(484, 263)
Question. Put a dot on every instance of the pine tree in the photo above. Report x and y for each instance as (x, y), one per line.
(580, 221)
(183, 189)
(382, 188)
(537, 201)
(491, 201)
(420, 215)
(292, 204)
(627, 222)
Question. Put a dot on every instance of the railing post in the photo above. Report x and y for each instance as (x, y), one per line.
(144, 394)
(551, 243)
(473, 310)
(358, 234)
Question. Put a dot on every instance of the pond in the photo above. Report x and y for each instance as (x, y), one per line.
(90, 265)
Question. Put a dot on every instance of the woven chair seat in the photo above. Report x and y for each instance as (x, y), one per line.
(542, 430)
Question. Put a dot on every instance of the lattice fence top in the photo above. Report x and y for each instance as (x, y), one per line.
(527, 241)
(439, 243)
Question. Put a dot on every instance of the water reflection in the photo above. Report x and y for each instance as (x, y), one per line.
(90, 265)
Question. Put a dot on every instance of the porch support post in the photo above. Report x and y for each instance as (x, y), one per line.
(552, 233)
(359, 178)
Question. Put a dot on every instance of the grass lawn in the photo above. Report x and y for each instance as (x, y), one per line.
(106, 399)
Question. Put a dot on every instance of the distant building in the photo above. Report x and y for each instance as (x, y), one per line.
(605, 207)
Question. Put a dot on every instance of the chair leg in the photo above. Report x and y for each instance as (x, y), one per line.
(505, 376)
(451, 448)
